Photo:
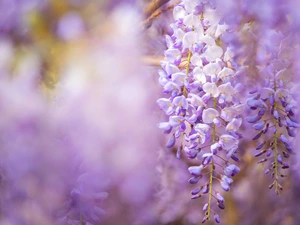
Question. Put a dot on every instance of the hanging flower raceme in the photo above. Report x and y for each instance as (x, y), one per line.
(275, 121)
(204, 113)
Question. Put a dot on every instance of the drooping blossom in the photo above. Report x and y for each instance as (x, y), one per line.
(201, 99)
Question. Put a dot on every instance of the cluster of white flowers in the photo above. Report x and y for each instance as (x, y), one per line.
(202, 104)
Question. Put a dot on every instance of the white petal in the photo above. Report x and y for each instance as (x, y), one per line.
(225, 72)
(175, 120)
(209, 115)
(164, 103)
(228, 113)
(202, 128)
(228, 142)
(212, 89)
(213, 52)
(179, 78)
(199, 75)
(212, 69)
(190, 5)
(170, 68)
(164, 126)
(234, 124)
(178, 12)
(196, 60)
(189, 39)
(169, 41)
(172, 54)
(196, 100)
(207, 39)
(228, 54)
(191, 21)
(220, 30)
(226, 89)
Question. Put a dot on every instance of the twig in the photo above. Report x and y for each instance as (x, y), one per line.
(153, 6)
(148, 22)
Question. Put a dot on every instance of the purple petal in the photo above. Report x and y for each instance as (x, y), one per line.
(194, 180)
(220, 197)
(165, 126)
(260, 153)
(291, 132)
(205, 207)
(221, 205)
(257, 136)
(235, 158)
(177, 133)
(225, 186)
(182, 127)
(195, 191)
(192, 119)
(283, 139)
(285, 155)
(261, 112)
(266, 128)
(269, 152)
(260, 146)
(171, 142)
(178, 152)
(258, 126)
(261, 161)
(275, 114)
(289, 148)
(253, 119)
(196, 196)
(271, 99)
(217, 218)
(285, 166)
(290, 123)
(205, 189)
(195, 170)
(193, 137)
(206, 160)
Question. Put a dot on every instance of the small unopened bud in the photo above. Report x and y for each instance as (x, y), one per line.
(221, 205)
(262, 161)
(196, 196)
(205, 189)
(219, 197)
(260, 153)
(285, 166)
(205, 207)
(204, 220)
(217, 218)
(257, 136)
(171, 142)
(285, 155)
(260, 146)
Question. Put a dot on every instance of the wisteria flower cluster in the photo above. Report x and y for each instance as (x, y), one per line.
(80, 100)
(200, 80)
(203, 108)
(274, 118)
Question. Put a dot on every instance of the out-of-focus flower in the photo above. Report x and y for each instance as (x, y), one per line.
(70, 27)
(276, 118)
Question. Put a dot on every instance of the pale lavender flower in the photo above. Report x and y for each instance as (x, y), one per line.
(203, 108)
